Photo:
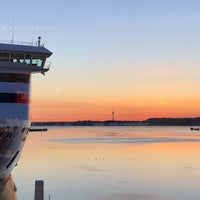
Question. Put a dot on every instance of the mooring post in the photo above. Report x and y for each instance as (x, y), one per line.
(39, 190)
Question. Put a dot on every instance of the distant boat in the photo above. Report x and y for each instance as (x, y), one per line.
(17, 63)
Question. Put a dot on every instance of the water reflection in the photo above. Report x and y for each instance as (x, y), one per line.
(129, 196)
(7, 189)
(12, 139)
(87, 163)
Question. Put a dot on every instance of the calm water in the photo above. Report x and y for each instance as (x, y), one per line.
(111, 163)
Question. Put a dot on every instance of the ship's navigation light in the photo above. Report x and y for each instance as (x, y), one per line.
(39, 40)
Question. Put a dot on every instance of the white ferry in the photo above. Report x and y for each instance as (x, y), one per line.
(17, 63)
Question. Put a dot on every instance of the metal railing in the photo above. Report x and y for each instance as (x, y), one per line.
(47, 65)
(21, 43)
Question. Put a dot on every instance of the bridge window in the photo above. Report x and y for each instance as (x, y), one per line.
(38, 60)
(17, 58)
(18, 78)
(28, 59)
(4, 56)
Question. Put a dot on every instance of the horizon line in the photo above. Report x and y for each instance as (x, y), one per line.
(110, 120)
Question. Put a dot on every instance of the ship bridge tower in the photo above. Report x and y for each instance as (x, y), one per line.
(17, 62)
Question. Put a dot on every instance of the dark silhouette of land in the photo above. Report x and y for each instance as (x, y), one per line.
(148, 122)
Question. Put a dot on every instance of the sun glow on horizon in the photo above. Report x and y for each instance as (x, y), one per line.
(74, 111)
(140, 57)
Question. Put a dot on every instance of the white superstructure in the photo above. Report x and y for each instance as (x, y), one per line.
(17, 63)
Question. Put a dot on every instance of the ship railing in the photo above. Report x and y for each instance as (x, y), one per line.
(47, 65)
(20, 43)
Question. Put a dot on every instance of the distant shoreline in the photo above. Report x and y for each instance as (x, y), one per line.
(148, 122)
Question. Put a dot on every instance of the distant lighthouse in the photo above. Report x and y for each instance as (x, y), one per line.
(113, 115)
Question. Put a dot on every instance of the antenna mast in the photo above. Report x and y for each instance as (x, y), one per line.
(13, 29)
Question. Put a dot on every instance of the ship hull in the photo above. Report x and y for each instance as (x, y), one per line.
(7, 189)
(17, 63)
(14, 118)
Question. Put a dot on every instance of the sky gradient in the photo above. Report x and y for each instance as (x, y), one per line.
(139, 56)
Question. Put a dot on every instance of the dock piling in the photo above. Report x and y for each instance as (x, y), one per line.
(39, 190)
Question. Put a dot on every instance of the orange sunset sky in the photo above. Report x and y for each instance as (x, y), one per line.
(139, 57)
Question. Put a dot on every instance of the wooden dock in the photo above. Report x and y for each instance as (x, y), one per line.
(37, 129)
